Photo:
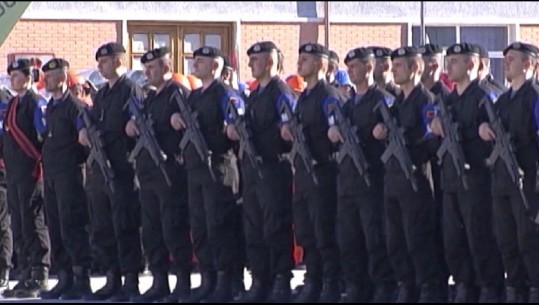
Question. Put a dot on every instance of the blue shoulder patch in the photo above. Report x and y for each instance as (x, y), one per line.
(389, 100)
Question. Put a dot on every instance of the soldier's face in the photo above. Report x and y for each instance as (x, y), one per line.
(258, 64)
(383, 66)
(155, 72)
(308, 65)
(203, 67)
(513, 64)
(401, 70)
(106, 66)
(457, 67)
(19, 81)
(53, 79)
(357, 71)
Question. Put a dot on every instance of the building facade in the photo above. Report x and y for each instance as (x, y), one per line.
(73, 30)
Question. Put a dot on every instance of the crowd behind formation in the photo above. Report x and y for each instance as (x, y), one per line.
(377, 172)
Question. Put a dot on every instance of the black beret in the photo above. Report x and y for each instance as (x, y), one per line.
(315, 49)
(333, 56)
(483, 53)
(359, 53)
(463, 48)
(22, 65)
(381, 52)
(55, 63)
(430, 49)
(522, 47)
(405, 52)
(208, 52)
(262, 47)
(108, 49)
(154, 54)
(227, 63)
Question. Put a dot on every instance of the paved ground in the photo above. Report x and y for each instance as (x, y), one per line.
(145, 283)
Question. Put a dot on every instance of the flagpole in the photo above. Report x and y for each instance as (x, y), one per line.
(422, 37)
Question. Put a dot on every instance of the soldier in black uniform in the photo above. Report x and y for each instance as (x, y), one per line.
(211, 202)
(360, 207)
(314, 203)
(267, 199)
(22, 156)
(333, 66)
(164, 208)
(230, 78)
(410, 213)
(471, 253)
(518, 237)
(114, 217)
(432, 57)
(485, 77)
(382, 72)
(65, 205)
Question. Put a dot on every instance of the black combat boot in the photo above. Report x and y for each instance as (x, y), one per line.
(129, 290)
(257, 293)
(223, 289)
(513, 295)
(113, 285)
(4, 278)
(384, 293)
(465, 293)
(182, 291)
(37, 283)
(207, 285)
(331, 292)
(281, 292)
(159, 290)
(534, 295)
(310, 292)
(65, 281)
(407, 293)
(81, 285)
(430, 293)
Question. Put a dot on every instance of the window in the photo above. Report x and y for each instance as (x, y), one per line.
(182, 39)
(444, 36)
(493, 38)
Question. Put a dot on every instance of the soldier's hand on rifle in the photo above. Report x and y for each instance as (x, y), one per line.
(83, 138)
(286, 134)
(131, 129)
(334, 134)
(436, 127)
(177, 122)
(485, 132)
(379, 131)
(232, 133)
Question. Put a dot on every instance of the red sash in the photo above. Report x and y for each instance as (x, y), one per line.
(20, 138)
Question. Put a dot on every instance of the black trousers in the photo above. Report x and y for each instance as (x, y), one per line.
(471, 251)
(115, 222)
(315, 210)
(165, 221)
(66, 211)
(410, 230)
(6, 236)
(518, 240)
(30, 232)
(267, 205)
(211, 209)
(362, 238)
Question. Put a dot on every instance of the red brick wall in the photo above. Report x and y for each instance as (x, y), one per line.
(529, 33)
(76, 41)
(343, 37)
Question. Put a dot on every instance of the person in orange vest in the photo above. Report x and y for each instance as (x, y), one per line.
(22, 155)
